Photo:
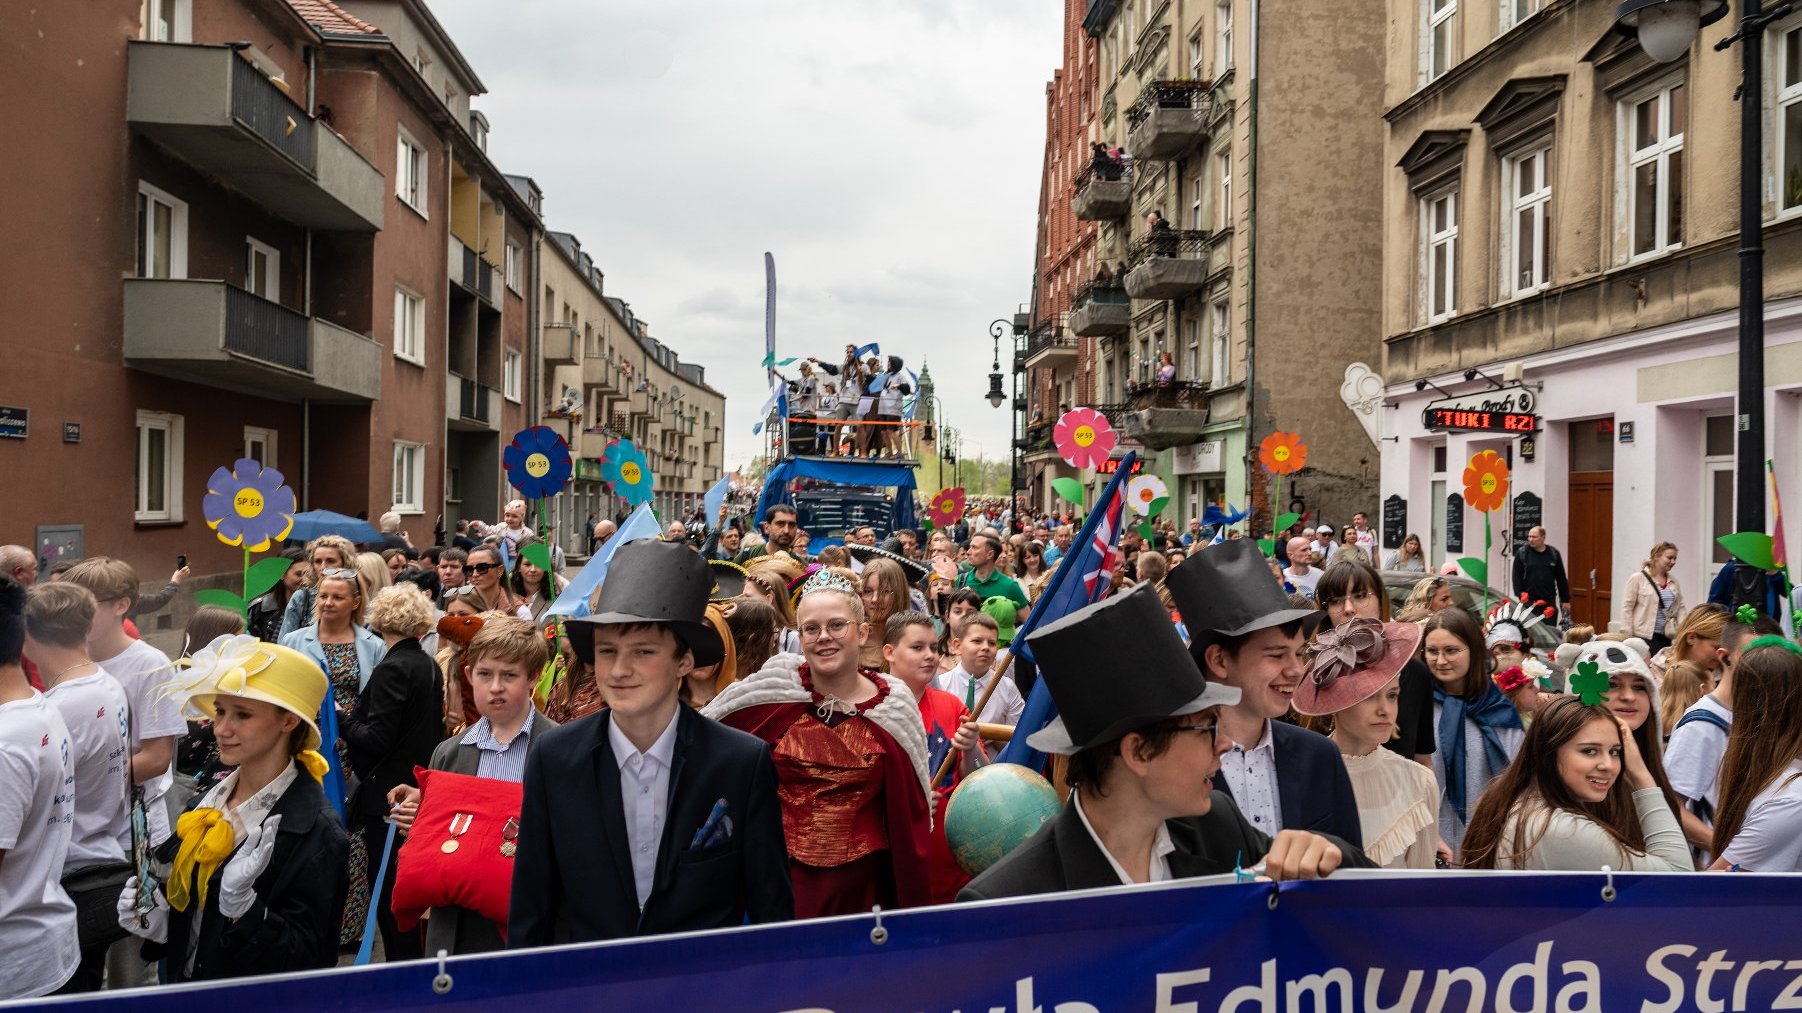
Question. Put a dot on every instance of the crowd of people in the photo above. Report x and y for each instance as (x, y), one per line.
(739, 730)
(850, 408)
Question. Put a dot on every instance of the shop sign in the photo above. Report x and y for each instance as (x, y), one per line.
(1204, 458)
(1454, 523)
(1506, 410)
(1395, 522)
(1112, 465)
(14, 422)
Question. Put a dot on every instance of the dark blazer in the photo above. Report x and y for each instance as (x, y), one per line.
(1311, 784)
(1062, 856)
(572, 877)
(456, 929)
(398, 721)
(294, 924)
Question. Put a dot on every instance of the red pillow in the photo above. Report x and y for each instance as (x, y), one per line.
(476, 875)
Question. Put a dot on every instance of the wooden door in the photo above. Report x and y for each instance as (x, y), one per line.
(1589, 556)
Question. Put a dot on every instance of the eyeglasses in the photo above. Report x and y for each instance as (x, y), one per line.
(834, 629)
(1356, 598)
(481, 568)
(1208, 731)
(466, 591)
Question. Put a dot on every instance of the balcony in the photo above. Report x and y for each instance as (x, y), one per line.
(1169, 264)
(1102, 196)
(561, 345)
(220, 335)
(460, 263)
(1168, 118)
(1161, 417)
(1101, 310)
(471, 407)
(485, 275)
(218, 112)
(1037, 444)
(1050, 343)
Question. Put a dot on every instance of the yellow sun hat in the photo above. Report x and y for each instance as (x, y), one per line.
(241, 665)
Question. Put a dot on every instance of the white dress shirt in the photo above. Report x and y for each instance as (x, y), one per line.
(1161, 847)
(1251, 775)
(644, 795)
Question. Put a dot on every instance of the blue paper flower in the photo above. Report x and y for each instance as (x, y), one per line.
(626, 470)
(248, 505)
(537, 462)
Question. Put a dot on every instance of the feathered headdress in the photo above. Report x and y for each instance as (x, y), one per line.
(1510, 621)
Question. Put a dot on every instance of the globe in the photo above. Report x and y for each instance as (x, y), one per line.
(994, 811)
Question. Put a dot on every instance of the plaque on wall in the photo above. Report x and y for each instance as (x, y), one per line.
(1454, 523)
(1395, 522)
(1529, 513)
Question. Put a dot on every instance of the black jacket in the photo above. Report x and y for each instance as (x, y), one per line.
(572, 876)
(294, 924)
(1540, 575)
(398, 721)
(1062, 856)
(1312, 786)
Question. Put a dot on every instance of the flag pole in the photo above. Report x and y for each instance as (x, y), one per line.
(981, 702)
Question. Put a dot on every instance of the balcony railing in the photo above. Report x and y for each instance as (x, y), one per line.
(266, 330)
(1162, 416)
(1100, 310)
(1168, 118)
(1168, 264)
(462, 262)
(1050, 336)
(485, 280)
(1103, 191)
(270, 114)
(472, 402)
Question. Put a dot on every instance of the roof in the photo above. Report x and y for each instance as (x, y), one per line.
(329, 19)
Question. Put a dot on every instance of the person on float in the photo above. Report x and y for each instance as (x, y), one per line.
(645, 818)
(1350, 591)
(910, 653)
(1244, 634)
(1759, 825)
(1479, 730)
(505, 656)
(259, 866)
(850, 758)
(1577, 797)
(1144, 748)
(1354, 679)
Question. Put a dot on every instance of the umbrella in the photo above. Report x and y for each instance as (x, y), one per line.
(313, 523)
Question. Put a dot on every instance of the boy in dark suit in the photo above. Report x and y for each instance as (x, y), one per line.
(647, 818)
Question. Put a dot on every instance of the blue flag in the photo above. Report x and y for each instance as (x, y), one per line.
(1081, 580)
(573, 602)
(716, 498)
(873, 348)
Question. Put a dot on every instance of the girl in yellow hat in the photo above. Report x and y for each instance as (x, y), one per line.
(257, 870)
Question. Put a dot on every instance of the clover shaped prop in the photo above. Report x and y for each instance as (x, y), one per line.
(248, 507)
(1590, 683)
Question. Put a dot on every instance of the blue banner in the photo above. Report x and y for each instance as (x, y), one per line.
(1448, 941)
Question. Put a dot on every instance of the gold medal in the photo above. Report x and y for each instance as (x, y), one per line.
(459, 825)
(448, 846)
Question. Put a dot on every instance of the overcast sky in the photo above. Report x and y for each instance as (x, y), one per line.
(888, 153)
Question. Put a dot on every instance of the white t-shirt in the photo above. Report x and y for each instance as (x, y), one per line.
(97, 713)
(1005, 704)
(1304, 582)
(1367, 540)
(38, 945)
(1770, 839)
(1693, 756)
(144, 673)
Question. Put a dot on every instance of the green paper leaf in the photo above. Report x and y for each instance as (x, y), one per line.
(1068, 488)
(221, 597)
(928, 524)
(1750, 547)
(1266, 545)
(1476, 569)
(1145, 531)
(1590, 683)
(538, 554)
(265, 574)
(1157, 506)
(1286, 521)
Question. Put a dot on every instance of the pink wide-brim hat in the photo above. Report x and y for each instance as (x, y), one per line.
(1351, 662)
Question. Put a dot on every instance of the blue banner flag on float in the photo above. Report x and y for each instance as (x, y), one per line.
(716, 498)
(573, 602)
(873, 348)
(1080, 580)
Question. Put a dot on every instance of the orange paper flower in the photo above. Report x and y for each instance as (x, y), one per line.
(1283, 453)
(1486, 482)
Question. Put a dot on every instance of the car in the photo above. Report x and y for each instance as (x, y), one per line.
(1469, 595)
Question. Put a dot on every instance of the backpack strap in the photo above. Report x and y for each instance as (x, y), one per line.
(1704, 715)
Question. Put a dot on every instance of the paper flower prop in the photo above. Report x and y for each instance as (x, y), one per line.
(1486, 482)
(1144, 492)
(1590, 683)
(627, 472)
(1083, 438)
(247, 505)
(1283, 453)
(1538, 672)
(537, 462)
(1512, 678)
(946, 507)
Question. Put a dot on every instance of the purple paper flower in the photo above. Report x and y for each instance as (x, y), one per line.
(247, 505)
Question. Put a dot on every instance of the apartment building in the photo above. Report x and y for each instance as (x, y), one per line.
(1560, 282)
(1245, 128)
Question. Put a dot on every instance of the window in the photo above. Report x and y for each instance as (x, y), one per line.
(1441, 24)
(1718, 437)
(1192, 350)
(259, 445)
(262, 270)
(1195, 52)
(409, 326)
(159, 468)
(510, 376)
(590, 347)
(1789, 120)
(1516, 11)
(1655, 171)
(162, 234)
(1526, 231)
(1223, 171)
(1439, 220)
(1220, 341)
(1198, 192)
(409, 477)
(169, 20)
(512, 267)
(1223, 37)
(410, 169)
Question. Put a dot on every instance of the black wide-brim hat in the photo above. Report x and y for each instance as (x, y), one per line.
(728, 580)
(1115, 667)
(653, 581)
(1226, 590)
(916, 571)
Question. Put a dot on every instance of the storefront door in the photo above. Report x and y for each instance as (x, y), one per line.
(1589, 558)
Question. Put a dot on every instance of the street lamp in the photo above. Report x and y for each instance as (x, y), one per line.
(996, 394)
(1666, 29)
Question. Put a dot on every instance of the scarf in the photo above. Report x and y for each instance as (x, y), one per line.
(1490, 713)
(206, 840)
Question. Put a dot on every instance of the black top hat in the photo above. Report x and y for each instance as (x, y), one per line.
(1115, 667)
(653, 581)
(915, 571)
(728, 580)
(1227, 590)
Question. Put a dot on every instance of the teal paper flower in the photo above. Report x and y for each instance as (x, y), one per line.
(627, 472)
(247, 505)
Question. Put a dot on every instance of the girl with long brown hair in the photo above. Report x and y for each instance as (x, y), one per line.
(1576, 798)
(1759, 826)
(756, 633)
(1479, 730)
(884, 587)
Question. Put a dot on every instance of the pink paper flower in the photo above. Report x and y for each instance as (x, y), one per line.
(1083, 438)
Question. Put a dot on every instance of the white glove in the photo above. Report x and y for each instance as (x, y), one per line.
(153, 926)
(237, 884)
